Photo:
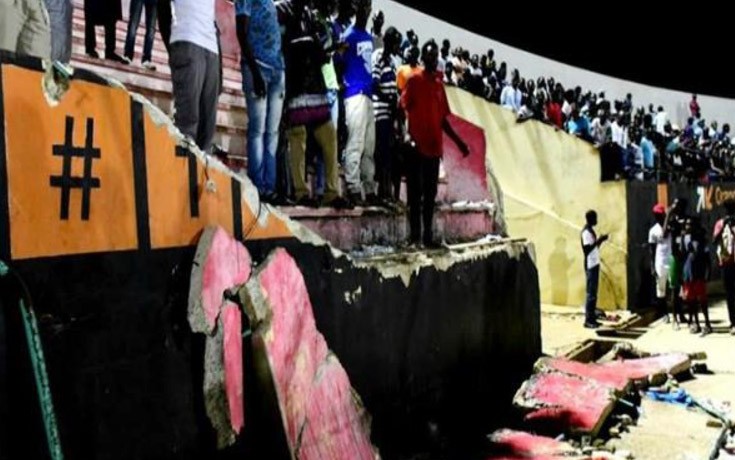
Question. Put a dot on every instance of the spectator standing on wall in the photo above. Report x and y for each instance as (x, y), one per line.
(377, 30)
(60, 16)
(359, 164)
(264, 85)
(163, 12)
(427, 111)
(102, 13)
(345, 14)
(307, 105)
(195, 70)
(591, 250)
(660, 121)
(25, 28)
(385, 102)
(136, 8)
(694, 109)
(510, 97)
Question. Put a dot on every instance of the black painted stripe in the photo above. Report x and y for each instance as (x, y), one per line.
(237, 209)
(4, 203)
(141, 175)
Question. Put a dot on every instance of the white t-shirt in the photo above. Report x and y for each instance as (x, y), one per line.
(663, 247)
(660, 121)
(194, 23)
(593, 258)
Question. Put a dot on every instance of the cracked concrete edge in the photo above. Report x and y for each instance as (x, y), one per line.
(195, 314)
(215, 392)
(407, 265)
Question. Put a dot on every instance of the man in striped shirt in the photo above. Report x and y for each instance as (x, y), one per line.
(385, 104)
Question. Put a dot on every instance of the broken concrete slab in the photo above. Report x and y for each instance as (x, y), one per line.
(220, 263)
(322, 416)
(512, 445)
(565, 403)
(620, 374)
(604, 375)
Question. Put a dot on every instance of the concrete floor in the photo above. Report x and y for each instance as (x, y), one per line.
(664, 431)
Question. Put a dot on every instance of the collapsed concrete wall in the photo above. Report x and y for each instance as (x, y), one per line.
(107, 269)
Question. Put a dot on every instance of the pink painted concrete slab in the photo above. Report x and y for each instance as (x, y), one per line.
(221, 263)
(466, 176)
(510, 444)
(565, 402)
(621, 373)
(321, 418)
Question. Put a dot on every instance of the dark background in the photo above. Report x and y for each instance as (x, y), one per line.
(687, 49)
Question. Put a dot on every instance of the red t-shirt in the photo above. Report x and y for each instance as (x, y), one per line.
(426, 106)
(553, 111)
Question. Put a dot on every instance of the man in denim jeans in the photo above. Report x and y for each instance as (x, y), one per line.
(136, 7)
(264, 85)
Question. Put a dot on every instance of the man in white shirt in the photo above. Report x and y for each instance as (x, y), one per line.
(660, 121)
(591, 249)
(510, 97)
(620, 133)
(195, 69)
(659, 240)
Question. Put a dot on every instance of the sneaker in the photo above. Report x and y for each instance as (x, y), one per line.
(706, 331)
(695, 329)
(93, 54)
(732, 330)
(589, 325)
(148, 65)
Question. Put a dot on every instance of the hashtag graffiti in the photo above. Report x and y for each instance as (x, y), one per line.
(66, 182)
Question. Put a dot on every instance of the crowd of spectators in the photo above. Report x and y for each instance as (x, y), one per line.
(290, 85)
(636, 142)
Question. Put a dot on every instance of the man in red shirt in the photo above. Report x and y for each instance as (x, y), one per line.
(427, 109)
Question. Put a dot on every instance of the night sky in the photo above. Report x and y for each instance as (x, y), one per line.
(691, 52)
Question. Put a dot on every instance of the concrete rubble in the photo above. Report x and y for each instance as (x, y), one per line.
(551, 397)
(518, 445)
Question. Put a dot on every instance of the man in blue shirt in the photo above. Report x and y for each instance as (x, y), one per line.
(264, 85)
(358, 90)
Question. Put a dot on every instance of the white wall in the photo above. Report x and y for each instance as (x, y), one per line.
(676, 103)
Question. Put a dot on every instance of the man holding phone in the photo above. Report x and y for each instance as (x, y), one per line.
(591, 248)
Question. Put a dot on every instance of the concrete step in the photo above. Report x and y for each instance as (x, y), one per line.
(159, 54)
(121, 28)
(232, 78)
(348, 230)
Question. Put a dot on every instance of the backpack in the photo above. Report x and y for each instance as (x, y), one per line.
(726, 245)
